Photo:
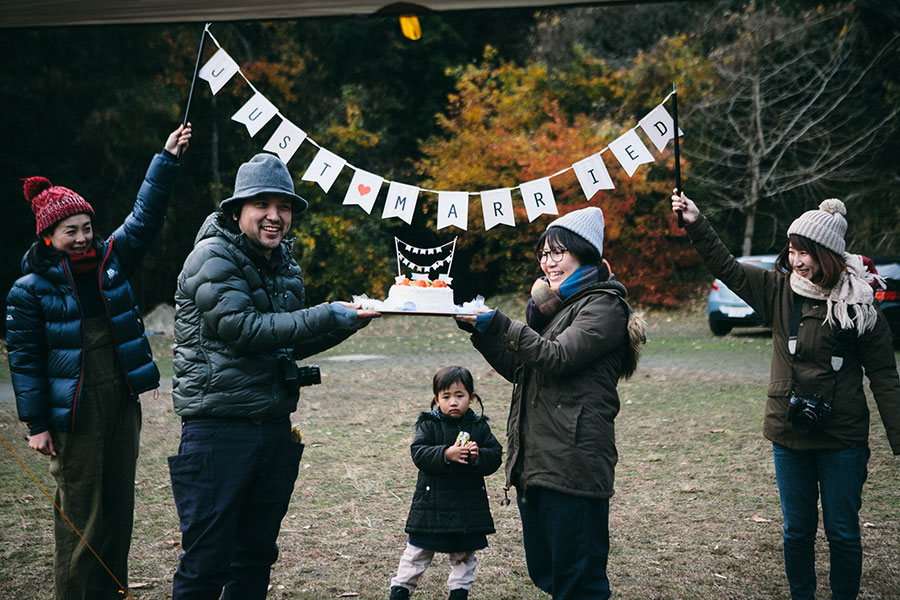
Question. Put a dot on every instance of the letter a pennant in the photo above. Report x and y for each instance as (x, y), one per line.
(453, 209)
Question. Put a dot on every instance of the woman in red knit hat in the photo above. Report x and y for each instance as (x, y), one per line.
(79, 358)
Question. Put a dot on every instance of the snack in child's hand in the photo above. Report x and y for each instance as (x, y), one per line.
(463, 438)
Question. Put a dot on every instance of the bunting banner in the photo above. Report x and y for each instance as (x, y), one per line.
(420, 268)
(453, 206)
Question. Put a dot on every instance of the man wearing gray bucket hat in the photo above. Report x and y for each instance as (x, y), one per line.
(240, 325)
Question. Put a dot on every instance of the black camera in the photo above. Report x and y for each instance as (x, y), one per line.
(807, 414)
(309, 375)
(293, 375)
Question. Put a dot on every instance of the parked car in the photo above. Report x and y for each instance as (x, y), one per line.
(889, 268)
(726, 310)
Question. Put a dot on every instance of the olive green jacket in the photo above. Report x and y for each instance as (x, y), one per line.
(769, 294)
(560, 430)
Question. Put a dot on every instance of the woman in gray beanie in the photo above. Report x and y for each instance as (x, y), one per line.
(826, 330)
(580, 337)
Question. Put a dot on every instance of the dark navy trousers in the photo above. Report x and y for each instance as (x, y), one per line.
(566, 543)
(232, 481)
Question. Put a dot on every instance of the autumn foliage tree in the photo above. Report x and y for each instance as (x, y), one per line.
(509, 124)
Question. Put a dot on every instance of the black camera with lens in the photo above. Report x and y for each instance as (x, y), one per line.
(807, 414)
(309, 375)
(293, 375)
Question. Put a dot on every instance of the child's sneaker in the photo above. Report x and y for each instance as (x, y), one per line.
(458, 594)
(398, 592)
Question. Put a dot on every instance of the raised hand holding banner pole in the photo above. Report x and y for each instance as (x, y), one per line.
(677, 154)
(187, 109)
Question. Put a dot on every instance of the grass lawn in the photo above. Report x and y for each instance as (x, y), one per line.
(695, 515)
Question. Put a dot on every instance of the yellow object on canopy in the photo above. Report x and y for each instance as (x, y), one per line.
(410, 26)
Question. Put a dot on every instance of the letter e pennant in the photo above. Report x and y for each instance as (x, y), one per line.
(630, 151)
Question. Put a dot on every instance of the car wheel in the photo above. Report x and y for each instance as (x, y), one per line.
(719, 327)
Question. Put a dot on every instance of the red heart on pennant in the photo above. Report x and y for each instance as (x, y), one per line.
(363, 189)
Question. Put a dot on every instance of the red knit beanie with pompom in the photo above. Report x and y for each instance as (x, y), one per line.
(53, 203)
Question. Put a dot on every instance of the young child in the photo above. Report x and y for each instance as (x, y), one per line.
(454, 449)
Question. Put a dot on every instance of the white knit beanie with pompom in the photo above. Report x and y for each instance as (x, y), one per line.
(825, 226)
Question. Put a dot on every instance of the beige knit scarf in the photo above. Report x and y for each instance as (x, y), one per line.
(853, 290)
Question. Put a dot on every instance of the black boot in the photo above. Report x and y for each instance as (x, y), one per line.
(458, 594)
(398, 592)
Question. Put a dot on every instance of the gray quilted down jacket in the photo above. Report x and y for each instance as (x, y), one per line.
(240, 323)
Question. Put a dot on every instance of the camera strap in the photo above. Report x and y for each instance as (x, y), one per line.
(838, 348)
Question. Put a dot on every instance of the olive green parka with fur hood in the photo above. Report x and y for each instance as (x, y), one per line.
(560, 432)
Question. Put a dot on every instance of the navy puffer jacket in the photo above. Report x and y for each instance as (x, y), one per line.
(240, 323)
(43, 316)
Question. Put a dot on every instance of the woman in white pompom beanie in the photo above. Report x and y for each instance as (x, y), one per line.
(826, 331)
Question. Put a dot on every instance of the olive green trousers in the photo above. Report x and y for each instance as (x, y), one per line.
(94, 468)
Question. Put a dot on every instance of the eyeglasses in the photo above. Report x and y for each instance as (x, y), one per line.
(556, 254)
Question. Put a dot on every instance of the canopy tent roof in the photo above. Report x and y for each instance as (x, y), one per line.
(48, 13)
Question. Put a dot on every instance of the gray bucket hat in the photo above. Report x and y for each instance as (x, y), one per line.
(263, 174)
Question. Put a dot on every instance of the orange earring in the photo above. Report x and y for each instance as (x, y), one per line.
(46, 241)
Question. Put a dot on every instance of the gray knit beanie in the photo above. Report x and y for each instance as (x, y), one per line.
(263, 174)
(825, 226)
(587, 222)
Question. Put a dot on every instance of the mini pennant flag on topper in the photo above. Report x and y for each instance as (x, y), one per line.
(658, 126)
(363, 190)
(445, 250)
(497, 207)
(255, 113)
(324, 169)
(453, 209)
(218, 70)
(401, 201)
(592, 175)
(538, 198)
(285, 141)
(630, 151)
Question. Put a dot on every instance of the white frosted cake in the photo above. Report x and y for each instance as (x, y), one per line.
(420, 295)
